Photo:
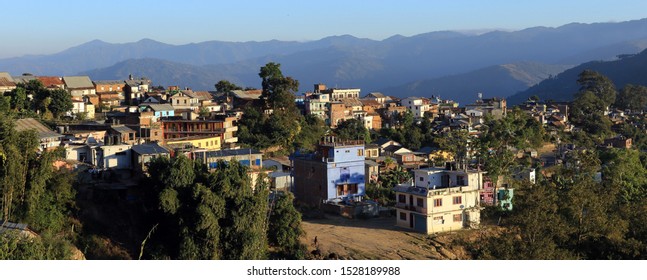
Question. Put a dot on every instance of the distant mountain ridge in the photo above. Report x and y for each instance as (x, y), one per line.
(631, 69)
(345, 61)
(494, 81)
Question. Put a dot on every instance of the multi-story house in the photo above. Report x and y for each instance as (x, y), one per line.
(335, 172)
(224, 127)
(109, 86)
(495, 107)
(439, 200)
(338, 93)
(135, 89)
(377, 97)
(79, 86)
(317, 104)
(185, 100)
(416, 105)
(159, 110)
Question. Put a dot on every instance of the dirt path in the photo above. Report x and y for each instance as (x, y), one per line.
(376, 238)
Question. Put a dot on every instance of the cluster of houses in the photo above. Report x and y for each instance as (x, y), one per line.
(132, 122)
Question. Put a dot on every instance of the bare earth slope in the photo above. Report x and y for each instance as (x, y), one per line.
(377, 239)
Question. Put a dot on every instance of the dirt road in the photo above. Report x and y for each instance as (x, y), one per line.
(375, 239)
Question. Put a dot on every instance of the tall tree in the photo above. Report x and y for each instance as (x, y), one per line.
(353, 129)
(61, 102)
(226, 86)
(601, 86)
(632, 97)
(284, 230)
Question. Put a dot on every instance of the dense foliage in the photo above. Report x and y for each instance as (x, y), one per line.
(217, 215)
(34, 192)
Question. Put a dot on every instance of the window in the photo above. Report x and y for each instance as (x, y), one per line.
(360, 152)
(403, 216)
(457, 200)
(347, 151)
(402, 198)
(438, 202)
(458, 217)
(420, 202)
(460, 180)
(422, 179)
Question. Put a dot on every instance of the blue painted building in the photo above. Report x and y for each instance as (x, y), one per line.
(335, 172)
(159, 110)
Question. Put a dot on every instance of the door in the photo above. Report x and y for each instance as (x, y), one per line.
(420, 223)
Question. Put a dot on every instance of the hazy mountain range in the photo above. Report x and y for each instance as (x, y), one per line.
(452, 64)
(630, 69)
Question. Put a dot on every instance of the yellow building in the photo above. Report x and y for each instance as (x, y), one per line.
(439, 200)
(210, 143)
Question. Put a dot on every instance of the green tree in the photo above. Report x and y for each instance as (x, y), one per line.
(598, 84)
(61, 102)
(632, 97)
(352, 129)
(226, 86)
(313, 129)
(19, 99)
(285, 228)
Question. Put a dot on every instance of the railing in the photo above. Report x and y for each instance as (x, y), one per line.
(342, 143)
(411, 208)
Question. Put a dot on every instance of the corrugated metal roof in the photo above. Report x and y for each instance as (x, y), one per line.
(50, 81)
(11, 226)
(232, 152)
(4, 82)
(161, 107)
(42, 130)
(78, 82)
(7, 76)
(247, 94)
(23, 79)
(149, 149)
(122, 129)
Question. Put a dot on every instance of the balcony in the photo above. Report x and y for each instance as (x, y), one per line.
(413, 208)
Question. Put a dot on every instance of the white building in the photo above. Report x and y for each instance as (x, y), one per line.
(416, 106)
(439, 200)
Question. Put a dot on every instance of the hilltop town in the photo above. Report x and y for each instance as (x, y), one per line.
(180, 168)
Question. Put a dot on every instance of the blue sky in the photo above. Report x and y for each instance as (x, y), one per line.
(46, 26)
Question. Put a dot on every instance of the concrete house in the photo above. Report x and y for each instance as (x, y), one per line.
(159, 110)
(439, 200)
(7, 83)
(335, 172)
(416, 105)
(79, 86)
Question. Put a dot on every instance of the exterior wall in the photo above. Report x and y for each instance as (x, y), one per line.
(337, 113)
(79, 153)
(99, 88)
(246, 159)
(209, 143)
(310, 181)
(116, 156)
(451, 206)
(339, 173)
(337, 94)
(81, 92)
(372, 153)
